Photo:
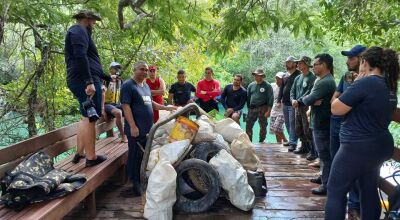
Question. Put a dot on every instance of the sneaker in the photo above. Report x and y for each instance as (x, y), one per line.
(315, 164)
(129, 193)
(321, 190)
(311, 157)
(99, 159)
(316, 180)
(301, 150)
(77, 158)
(353, 214)
(286, 144)
(292, 148)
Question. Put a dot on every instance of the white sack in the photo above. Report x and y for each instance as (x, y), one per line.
(244, 151)
(153, 159)
(225, 144)
(172, 151)
(206, 131)
(161, 192)
(164, 129)
(234, 180)
(229, 129)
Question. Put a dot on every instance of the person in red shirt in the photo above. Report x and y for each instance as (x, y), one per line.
(207, 90)
(157, 87)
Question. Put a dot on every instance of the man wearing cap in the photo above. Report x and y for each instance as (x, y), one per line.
(84, 74)
(353, 63)
(112, 106)
(284, 98)
(207, 90)
(277, 119)
(260, 99)
(302, 86)
(157, 87)
(233, 98)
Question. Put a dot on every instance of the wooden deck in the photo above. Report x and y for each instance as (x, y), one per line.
(288, 197)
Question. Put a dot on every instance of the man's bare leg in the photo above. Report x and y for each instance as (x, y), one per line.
(79, 142)
(118, 121)
(236, 117)
(281, 135)
(278, 138)
(88, 134)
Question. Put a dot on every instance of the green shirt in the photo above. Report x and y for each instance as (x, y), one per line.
(323, 89)
(259, 94)
(302, 86)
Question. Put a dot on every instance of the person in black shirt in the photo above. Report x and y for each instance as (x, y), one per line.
(233, 98)
(84, 74)
(284, 98)
(180, 92)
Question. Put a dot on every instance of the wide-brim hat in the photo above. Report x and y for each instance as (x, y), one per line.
(259, 72)
(87, 14)
(291, 59)
(306, 60)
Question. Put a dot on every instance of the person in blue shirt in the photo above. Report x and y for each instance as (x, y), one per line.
(84, 75)
(137, 104)
(368, 106)
(353, 63)
(233, 98)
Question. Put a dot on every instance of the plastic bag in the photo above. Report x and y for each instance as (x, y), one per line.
(243, 150)
(225, 144)
(206, 131)
(164, 129)
(229, 129)
(161, 192)
(173, 151)
(234, 180)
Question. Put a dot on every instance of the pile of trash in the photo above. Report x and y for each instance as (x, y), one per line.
(190, 172)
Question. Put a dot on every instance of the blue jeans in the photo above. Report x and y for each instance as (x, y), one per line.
(321, 141)
(358, 161)
(289, 115)
(354, 195)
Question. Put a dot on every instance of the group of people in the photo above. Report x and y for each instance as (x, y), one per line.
(345, 126)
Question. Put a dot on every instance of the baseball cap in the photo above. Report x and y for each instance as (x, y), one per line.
(291, 58)
(355, 51)
(280, 74)
(115, 65)
(306, 60)
(259, 72)
(152, 67)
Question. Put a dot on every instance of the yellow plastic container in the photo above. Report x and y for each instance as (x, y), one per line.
(385, 203)
(184, 128)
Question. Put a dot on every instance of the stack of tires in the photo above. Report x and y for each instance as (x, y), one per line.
(198, 183)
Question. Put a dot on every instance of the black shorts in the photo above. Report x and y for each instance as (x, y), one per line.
(78, 89)
(109, 107)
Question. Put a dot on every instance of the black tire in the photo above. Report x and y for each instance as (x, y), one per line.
(204, 201)
(206, 150)
(203, 151)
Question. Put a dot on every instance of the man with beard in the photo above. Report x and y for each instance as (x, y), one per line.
(284, 98)
(84, 74)
(320, 101)
(233, 98)
(353, 63)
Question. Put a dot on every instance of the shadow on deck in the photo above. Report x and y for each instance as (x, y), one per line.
(289, 194)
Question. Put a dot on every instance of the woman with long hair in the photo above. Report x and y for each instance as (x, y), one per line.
(365, 142)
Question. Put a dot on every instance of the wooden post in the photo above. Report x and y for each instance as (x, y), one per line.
(91, 204)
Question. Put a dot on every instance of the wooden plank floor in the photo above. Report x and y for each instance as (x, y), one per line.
(288, 197)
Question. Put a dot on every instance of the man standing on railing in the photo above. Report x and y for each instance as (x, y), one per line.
(84, 74)
(138, 106)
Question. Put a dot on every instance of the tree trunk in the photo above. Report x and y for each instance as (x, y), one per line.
(39, 71)
(3, 18)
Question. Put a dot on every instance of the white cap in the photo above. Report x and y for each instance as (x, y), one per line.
(280, 74)
(291, 58)
(115, 64)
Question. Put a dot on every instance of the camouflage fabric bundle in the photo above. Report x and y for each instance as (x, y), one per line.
(35, 180)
